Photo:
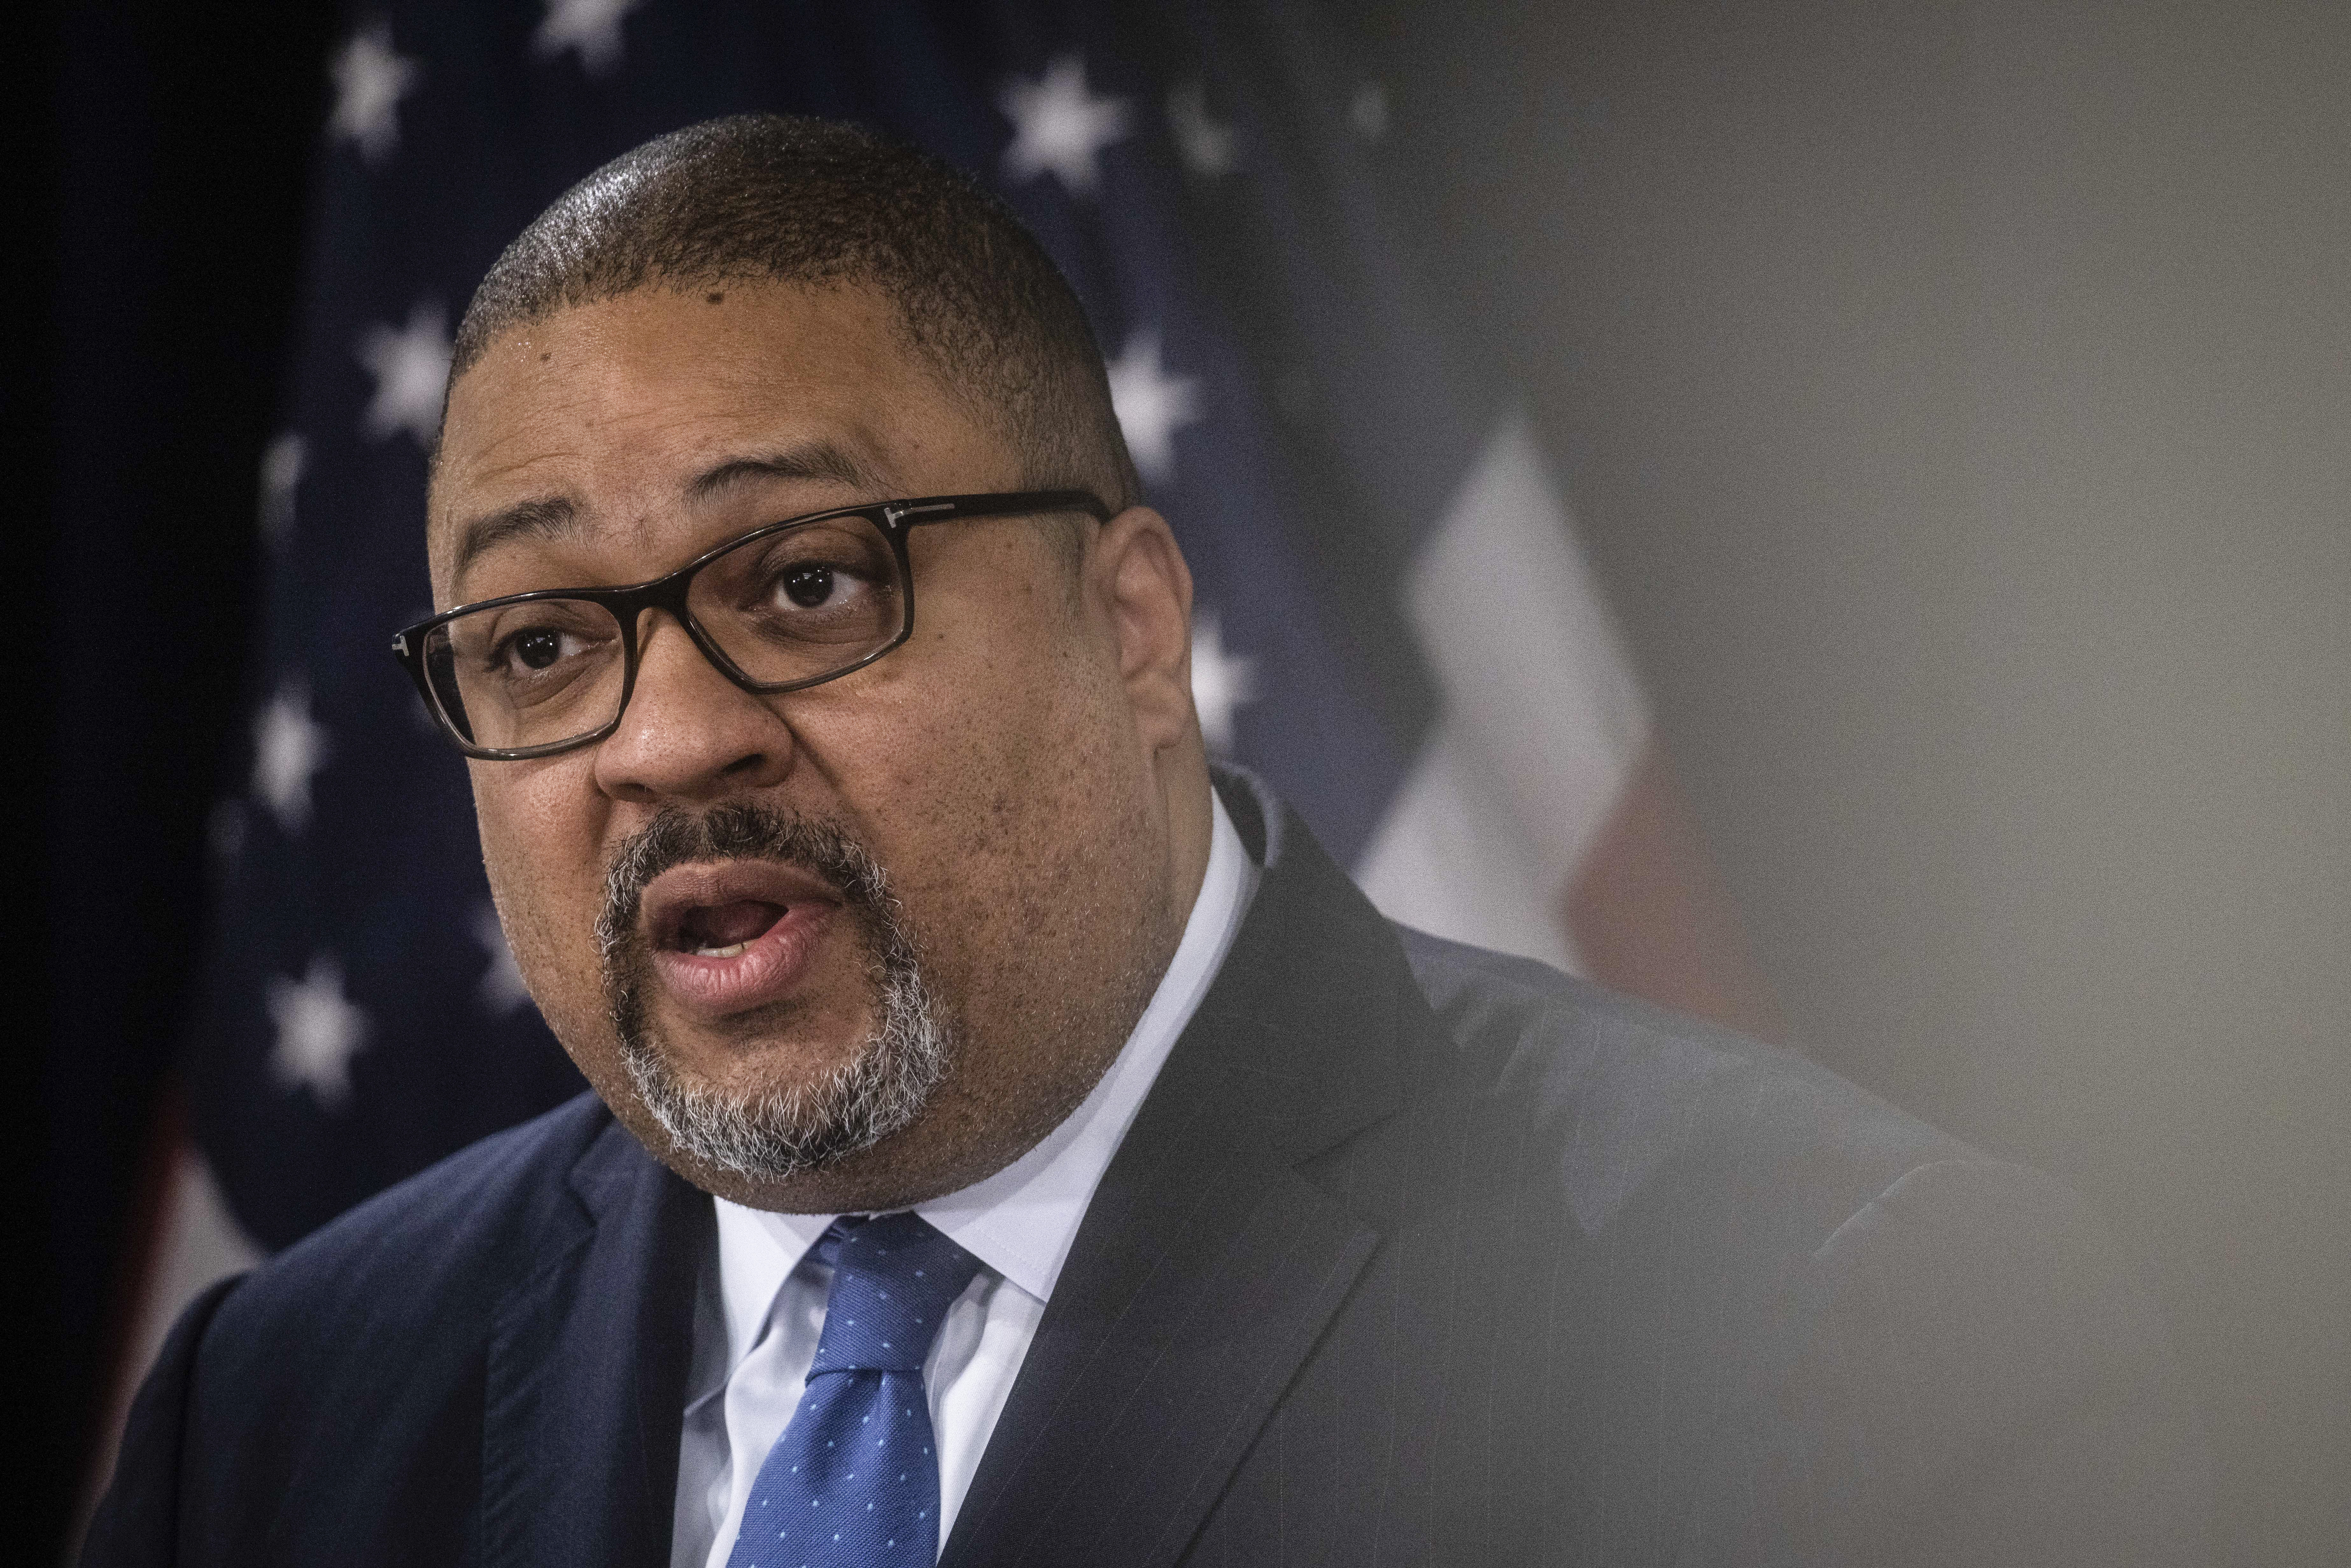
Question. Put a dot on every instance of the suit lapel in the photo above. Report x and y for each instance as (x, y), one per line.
(1207, 1267)
(585, 1378)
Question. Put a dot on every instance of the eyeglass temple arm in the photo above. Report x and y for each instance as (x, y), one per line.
(942, 509)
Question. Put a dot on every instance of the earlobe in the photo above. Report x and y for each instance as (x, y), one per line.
(1147, 587)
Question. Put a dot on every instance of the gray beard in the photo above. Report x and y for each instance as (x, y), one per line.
(784, 1131)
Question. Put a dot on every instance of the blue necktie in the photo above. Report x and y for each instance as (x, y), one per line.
(854, 1480)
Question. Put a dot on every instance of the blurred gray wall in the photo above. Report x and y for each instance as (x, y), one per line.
(1956, 400)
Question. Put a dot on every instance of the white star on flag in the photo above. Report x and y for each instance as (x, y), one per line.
(1151, 405)
(289, 747)
(370, 81)
(501, 990)
(281, 472)
(593, 27)
(1206, 146)
(318, 1031)
(1222, 681)
(410, 366)
(1057, 125)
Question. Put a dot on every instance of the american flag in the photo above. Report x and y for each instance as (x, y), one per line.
(1395, 626)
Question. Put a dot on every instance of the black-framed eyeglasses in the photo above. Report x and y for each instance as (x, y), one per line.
(785, 606)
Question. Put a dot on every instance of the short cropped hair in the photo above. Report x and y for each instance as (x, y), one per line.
(781, 198)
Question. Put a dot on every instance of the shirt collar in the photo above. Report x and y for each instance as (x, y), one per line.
(1022, 1221)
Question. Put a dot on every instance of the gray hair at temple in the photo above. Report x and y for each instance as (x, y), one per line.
(781, 198)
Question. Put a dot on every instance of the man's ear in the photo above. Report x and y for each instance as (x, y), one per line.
(1136, 572)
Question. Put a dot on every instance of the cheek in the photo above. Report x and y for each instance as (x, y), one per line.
(542, 836)
(1001, 799)
(989, 733)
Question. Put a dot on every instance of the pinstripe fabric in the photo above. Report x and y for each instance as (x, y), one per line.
(1414, 1255)
(1636, 1292)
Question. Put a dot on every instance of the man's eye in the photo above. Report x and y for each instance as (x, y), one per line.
(811, 587)
(537, 648)
(821, 585)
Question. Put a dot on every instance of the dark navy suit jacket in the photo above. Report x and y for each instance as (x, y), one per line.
(1414, 1254)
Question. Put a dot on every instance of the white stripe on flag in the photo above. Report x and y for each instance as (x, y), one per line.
(196, 1241)
(1450, 858)
(1542, 718)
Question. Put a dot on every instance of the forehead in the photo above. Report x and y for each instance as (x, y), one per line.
(606, 415)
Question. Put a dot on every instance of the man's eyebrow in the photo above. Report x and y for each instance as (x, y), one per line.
(819, 460)
(554, 517)
(549, 516)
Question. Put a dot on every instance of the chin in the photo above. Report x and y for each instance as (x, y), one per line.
(778, 1116)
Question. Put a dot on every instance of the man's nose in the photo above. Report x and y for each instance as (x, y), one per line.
(689, 733)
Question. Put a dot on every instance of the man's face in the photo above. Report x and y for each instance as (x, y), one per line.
(989, 837)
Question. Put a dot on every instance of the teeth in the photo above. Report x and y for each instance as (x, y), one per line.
(720, 952)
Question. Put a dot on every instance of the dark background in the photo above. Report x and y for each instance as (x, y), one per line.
(171, 152)
(1954, 400)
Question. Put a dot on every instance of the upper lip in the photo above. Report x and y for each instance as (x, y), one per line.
(678, 892)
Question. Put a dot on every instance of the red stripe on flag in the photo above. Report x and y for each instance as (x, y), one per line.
(1649, 916)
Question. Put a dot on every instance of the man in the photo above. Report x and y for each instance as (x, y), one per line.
(1009, 1142)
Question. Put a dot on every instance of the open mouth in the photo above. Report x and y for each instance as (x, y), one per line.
(733, 935)
(726, 929)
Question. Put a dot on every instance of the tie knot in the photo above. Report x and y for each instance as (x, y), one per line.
(894, 1278)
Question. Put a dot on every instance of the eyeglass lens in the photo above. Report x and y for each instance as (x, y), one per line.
(786, 609)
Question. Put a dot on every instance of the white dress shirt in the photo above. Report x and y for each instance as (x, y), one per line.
(759, 1312)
